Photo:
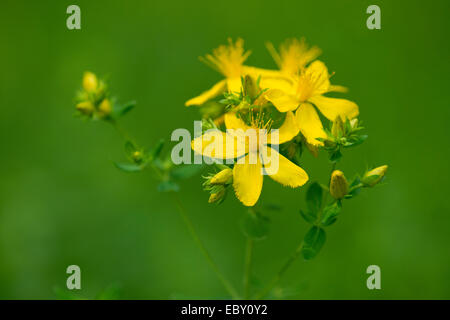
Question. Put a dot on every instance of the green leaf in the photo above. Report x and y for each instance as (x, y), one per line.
(167, 186)
(128, 167)
(125, 108)
(310, 218)
(313, 242)
(186, 171)
(155, 151)
(255, 226)
(330, 214)
(314, 198)
(335, 156)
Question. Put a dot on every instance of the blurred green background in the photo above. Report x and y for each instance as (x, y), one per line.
(62, 202)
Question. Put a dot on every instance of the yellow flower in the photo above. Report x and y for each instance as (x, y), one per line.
(303, 91)
(227, 60)
(338, 185)
(293, 55)
(90, 82)
(252, 158)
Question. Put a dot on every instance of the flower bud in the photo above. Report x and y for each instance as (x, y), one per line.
(104, 109)
(250, 87)
(337, 130)
(90, 82)
(354, 123)
(223, 177)
(137, 156)
(374, 176)
(85, 108)
(217, 197)
(338, 185)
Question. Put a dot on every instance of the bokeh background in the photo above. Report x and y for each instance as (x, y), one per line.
(62, 202)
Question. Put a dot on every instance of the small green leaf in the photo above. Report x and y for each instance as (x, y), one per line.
(335, 156)
(311, 218)
(128, 167)
(154, 152)
(313, 242)
(255, 226)
(125, 108)
(330, 214)
(167, 186)
(314, 198)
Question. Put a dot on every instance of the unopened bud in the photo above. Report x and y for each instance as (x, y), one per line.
(223, 177)
(338, 185)
(374, 176)
(137, 156)
(354, 123)
(217, 197)
(337, 130)
(250, 87)
(85, 108)
(104, 109)
(90, 82)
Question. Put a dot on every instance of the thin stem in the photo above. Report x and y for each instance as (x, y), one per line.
(119, 129)
(203, 249)
(294, 256)
(280, 273)
(248, 267)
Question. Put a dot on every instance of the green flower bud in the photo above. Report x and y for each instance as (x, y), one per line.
(137, 156)
(338, 185)
(354, 123)
(250, 87)
(217, 197)
(337, 130)
(374, 176)
(223, 177)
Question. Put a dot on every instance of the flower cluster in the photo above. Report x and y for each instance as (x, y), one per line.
(292, 99)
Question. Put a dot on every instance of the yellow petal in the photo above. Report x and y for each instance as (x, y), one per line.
(281, 100)
(219, 145)
(234, 84)
(333, 107)
(287, 173)
(260, 72)
(248, 181)
(217, 89)
(233, 122)
(276, 82)
(309, 123)
(288, 130)
(337, 88)
(317, 73)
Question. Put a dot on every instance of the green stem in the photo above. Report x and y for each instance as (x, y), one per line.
(203, 249)
(280, 273)
(228, 286)
(294, 256)
(248, 267)
(119, 129)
